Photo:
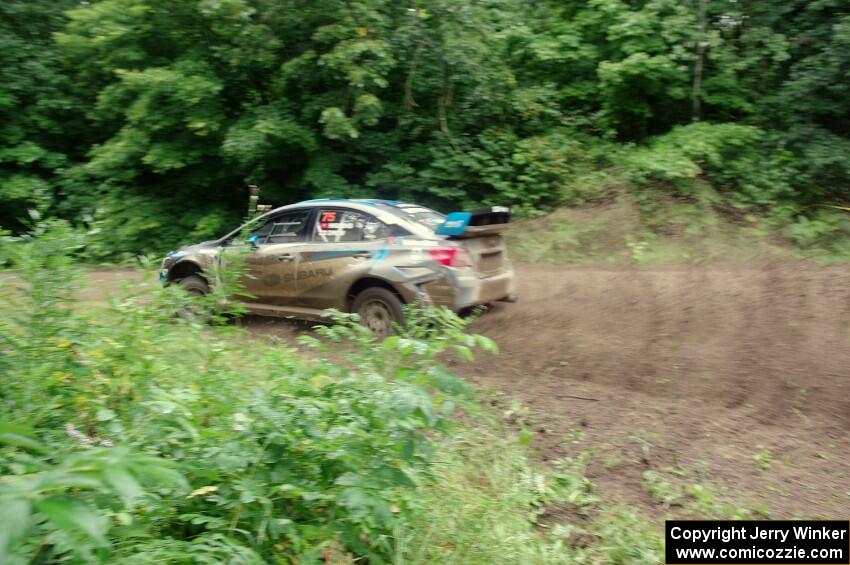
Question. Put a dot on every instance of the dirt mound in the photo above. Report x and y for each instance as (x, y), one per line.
(737, 375)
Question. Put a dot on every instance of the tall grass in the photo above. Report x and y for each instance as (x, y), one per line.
(482, 507)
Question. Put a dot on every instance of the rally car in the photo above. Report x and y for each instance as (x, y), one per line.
(358, 255)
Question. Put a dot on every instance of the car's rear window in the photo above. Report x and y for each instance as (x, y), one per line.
(425, 216)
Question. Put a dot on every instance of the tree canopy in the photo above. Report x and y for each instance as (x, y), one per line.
(145, 119)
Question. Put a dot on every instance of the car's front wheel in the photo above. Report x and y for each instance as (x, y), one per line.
(378, 308)
(195, 286)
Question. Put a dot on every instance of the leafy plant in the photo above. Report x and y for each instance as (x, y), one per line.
(70, 497)
(661, 489)
(269, 453)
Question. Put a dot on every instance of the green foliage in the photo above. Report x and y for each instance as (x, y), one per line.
(763, 459)
(660, 489)
(131, 223)
(825, 229)
(69, 496)
(730, 156)
(651, 228)
(147, 117)
(34, 108)
(270, 455)
(482, 508)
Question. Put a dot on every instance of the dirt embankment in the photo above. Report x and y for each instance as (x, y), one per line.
(738, 376)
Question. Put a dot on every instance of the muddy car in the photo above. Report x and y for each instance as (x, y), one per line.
(363, 256)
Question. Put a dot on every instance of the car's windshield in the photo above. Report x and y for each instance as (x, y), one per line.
(247, 229)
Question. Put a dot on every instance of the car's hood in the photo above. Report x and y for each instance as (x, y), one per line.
(186, 249)
(173, 256)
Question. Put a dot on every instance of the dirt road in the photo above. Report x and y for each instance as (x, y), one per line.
(736, 376)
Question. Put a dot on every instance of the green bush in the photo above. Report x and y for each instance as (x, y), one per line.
(130, 435)
(738, 160)
(827, 230)
(133, 225)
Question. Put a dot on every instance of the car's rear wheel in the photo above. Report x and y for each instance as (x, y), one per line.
(195, 286)
(378, 308)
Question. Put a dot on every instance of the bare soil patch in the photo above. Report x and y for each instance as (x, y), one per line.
(737, 376)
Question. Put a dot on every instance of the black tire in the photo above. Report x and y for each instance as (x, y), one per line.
(194, 285)
(378, 309)
(473, 312)
(197, 286)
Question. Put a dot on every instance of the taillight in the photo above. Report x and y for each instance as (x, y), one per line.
(449, 256)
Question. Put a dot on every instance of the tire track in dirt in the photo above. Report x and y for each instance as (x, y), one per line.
(707, 365)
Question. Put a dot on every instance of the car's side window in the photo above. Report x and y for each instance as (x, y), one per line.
(259, 234)
(283, 228)
(339, 225)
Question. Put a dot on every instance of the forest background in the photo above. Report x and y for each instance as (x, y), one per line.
(144, 120)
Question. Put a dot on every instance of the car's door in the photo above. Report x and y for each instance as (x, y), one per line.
(271, 263)
(340, 248)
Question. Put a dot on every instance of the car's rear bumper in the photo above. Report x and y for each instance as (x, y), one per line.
(457, 291)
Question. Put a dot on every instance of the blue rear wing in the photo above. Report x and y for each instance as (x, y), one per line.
(475, 223)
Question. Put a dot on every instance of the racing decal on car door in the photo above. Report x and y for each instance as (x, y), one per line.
(308, 274)
(323, 255)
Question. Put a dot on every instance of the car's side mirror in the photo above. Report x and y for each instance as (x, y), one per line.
(253, 241)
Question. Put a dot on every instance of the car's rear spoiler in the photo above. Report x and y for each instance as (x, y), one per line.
(475, 223)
